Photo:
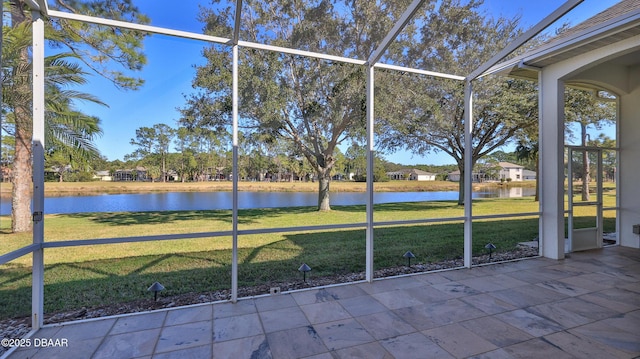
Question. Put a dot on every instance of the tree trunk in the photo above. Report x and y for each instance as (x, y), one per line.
(537, 196)
(164, 170)
(323, 190)
(22, 180)
(461, 189)
(585, 163)
(461, 185)
(585, 176)
(22, 175)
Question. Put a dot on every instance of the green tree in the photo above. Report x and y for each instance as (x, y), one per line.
(422, 114)
(609, 157)
(154, 172)
(59, 163)
(587, 110)
(313, 104)
(67, 130)
(356, 157)
(153, 146)
(7, 152)
(97, 47)
(488, 168)
(501, 156)
(185, 162)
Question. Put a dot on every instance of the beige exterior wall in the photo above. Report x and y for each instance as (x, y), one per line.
(629, 164)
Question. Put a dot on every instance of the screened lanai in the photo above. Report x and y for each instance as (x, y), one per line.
(601, 56)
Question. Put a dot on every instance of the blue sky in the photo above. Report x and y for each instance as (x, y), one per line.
(169, 72)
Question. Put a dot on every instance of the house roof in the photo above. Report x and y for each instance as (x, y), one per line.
(422, 173)
(509, 165)
(617, 23)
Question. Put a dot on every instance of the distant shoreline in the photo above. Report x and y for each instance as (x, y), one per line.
(92, 188)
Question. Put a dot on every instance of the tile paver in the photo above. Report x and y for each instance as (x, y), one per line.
(585, 306)
(343, 333)
(385, 325)
(325, 312)
(281, 319)
(185, 336)
(496, 331)
(128, 344)
(459, 341)
(537, 348)
(247, 347)
(296, 343)
(529, 322)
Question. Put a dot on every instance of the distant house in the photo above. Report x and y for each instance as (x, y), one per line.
(528, 175)
(507, 170)
(411, 175)
(510, 170)
(455, 176)
(103, 176)
(137, 174)
(337, 177)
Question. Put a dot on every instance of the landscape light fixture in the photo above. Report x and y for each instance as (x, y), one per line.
(409, 255)
(490, 247)
(155, 288)
(304, 268)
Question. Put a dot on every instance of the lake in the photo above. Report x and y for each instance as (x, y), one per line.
(180, 201)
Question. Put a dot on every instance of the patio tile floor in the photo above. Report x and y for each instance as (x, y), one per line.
(585, 306)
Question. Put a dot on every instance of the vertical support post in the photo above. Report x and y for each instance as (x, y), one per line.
(37, 301)
(551, 92)
(570, 195)
(234, 174)
(540, 171)
(468, 171)
(370, 157)
(616, 169)
(599, 213)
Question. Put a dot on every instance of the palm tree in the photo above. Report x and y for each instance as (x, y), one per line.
(66, 129)
(96, 47)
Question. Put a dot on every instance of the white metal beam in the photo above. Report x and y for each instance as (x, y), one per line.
(286, 50)
(468, 171)
(417, 71)
(37, 306)
(397, 28)
(526, 36)
(234, 144)
(253, 45)
(236, 25)
(370, 161)
(234, 174)
(195, 36)
(38, 5)
(138, 27)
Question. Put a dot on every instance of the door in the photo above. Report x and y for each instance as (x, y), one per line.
(584, 174)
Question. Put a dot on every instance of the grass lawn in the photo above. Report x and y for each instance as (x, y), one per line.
(97, 275)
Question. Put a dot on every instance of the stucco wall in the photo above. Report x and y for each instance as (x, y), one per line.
(629, 175)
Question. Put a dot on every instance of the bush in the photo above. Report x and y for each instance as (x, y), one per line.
(79, 177)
